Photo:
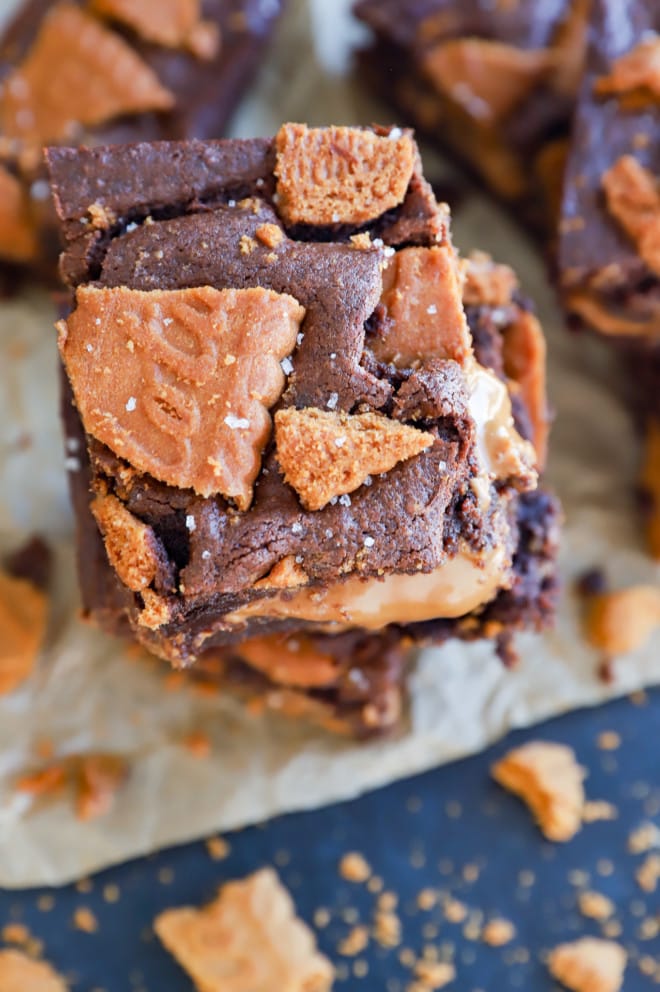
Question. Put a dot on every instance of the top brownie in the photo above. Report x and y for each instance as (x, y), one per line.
(286, 422)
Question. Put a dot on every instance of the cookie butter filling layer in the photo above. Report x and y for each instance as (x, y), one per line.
(462, 584)
(466, 581)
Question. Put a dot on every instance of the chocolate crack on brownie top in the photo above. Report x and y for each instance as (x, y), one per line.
(223, 296)
(107, 71)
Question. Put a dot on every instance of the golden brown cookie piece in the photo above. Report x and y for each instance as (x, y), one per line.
(77, 73)
(248, 940)
(286, 574)
(633, 199)
(18, 241)
(488, 79)
(422, 297)
(524, 353)
(487, 283)
(548, 778)
(170, 23)
(638, 71)
(132, 547)
(340, 175)
(23, 618)
(330, 453)
(179, 382)
(619, 622)
(288, 661)
(19, 973)
(589, 965)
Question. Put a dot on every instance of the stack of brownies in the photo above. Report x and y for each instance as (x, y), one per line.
(303, 434)
(312, 433)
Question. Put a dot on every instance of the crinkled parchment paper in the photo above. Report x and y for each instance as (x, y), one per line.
(86, 694)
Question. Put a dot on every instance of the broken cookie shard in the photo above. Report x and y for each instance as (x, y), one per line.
(548, 778)
(397, 497)
(326, 454)
(589, 965)
(249, 937)
(20, 973)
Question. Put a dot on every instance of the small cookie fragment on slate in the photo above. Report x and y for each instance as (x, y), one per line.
(19, 973)
(549, 779)
(248, 938)
(589, 965)
(330, 453)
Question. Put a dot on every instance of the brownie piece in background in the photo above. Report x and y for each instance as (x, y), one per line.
(495, 84)
(609, 247)
(105, 71)
(311, 279)
(555, 104)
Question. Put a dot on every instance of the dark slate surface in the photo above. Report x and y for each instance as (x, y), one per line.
(437, 830)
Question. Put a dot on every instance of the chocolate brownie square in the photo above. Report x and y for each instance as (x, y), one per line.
(298, 413)
(103, 71)
(609, 246)
(493, 83)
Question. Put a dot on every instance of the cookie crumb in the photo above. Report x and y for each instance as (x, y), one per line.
(84, 919)
(427, 899)
(609, 740)
(198, 744)
(598, 809)
(354, 867)
(432, 975)
(644, 838)
(595, 906)
(356, 942)
(455, 911)
(218, 848)
(498, 932)
(648, 874)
